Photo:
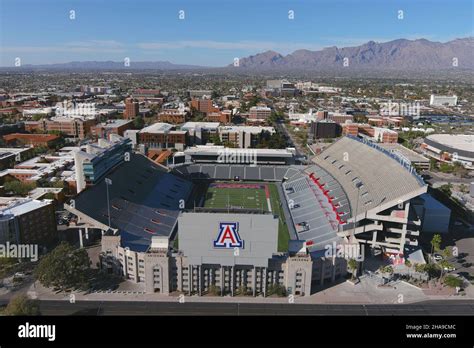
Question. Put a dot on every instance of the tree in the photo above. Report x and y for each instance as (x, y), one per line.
(22, 305)
(352, 264)
(65, 267)
(214, 138)
(446, 189)
(453, 281)
(138, 122)
(435, 243)
(276, 289)
(18, 187)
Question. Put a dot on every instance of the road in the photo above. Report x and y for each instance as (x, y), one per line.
(428, 308)
(444, 178)
(293, 143)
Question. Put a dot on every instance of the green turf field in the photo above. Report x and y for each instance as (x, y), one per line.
(236, 197)
(283, 235)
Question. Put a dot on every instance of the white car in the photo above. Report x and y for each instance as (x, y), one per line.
(437, 257)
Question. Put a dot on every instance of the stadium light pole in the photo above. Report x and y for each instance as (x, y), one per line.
(107, 183)
(358, 185)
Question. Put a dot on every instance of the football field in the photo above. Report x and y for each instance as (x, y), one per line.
(232, 195)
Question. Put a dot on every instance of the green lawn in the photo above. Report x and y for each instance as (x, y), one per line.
(283, 235)
(236, 197)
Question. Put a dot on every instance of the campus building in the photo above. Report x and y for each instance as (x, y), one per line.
(217, 257)
(243, 136)
(173, 116)
(200, 133)
(27, 221)
(443, 100)
(77, 127)
(10, 156)
(97, 159)
(325, 129)
(204, 105)
(162, 136)
(132, 109)
(259, 113)
(104, 129)
(224, 116)
(450, 148)
(34, 140)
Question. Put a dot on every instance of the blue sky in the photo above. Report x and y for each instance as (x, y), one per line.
(213, 31)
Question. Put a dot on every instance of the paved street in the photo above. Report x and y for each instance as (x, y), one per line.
(52, 307)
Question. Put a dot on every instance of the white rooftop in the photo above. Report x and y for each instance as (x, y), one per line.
(247, 129)
(19, 206)
(157, 128)
(459, 141)
(192, 125)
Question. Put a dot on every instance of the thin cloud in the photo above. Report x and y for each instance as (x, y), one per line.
(92, 46)
(283, 47)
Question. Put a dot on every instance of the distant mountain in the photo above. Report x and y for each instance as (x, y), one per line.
(399, 54)
(110, 65)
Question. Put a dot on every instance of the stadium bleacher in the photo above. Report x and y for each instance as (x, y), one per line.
(367, 172)
(144, 201)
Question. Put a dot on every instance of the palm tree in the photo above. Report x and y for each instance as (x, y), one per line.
(435, 243)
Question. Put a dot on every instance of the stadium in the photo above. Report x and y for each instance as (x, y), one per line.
(231, 229)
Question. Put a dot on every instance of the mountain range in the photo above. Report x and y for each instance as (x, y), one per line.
(397, 55)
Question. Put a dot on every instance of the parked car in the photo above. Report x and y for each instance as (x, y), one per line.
(437, 257)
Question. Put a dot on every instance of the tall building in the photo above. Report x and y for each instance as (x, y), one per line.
(131, 108)
(325, 129)
(97, 160)
(204, 105)
(27, 221)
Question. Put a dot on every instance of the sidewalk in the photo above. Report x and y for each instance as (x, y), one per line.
(364, 292)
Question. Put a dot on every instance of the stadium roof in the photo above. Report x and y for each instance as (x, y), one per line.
(259, 233)
(144, 201)
(462, 143)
